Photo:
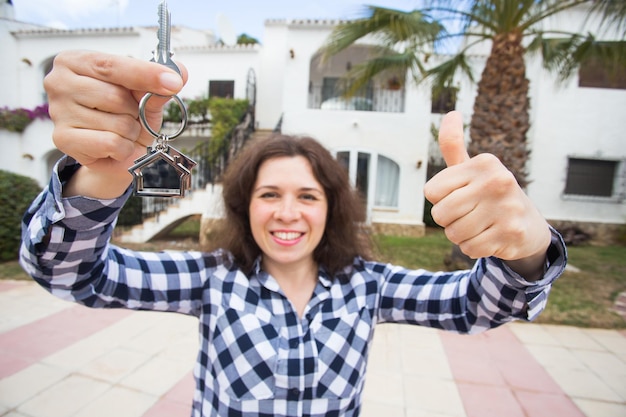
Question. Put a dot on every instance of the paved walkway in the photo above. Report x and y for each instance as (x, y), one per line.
(58, 359)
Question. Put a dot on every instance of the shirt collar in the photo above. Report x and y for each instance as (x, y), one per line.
(271, 284)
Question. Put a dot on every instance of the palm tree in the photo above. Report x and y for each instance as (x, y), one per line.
(500, 118)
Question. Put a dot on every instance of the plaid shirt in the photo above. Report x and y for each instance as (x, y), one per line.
(257, 357)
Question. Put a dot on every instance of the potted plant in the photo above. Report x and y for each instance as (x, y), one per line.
(394, 83)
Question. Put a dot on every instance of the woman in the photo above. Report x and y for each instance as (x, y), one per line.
(288, 302)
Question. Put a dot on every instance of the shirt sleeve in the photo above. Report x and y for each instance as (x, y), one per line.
(470, 301)
(66, 249)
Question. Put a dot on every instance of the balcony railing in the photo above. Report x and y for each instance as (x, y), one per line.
(373, 99)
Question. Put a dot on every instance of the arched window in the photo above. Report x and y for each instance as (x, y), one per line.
(46, 67)
(387, 182)
(363, 168)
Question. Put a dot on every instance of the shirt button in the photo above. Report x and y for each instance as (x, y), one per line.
(295, 392)
(294, 343)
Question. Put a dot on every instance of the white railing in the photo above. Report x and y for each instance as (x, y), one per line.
(375, 99)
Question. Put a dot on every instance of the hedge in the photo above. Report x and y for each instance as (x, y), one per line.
(130, 215)
(16, 194)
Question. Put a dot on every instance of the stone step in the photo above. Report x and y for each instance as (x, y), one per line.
(620, 304)
(262, 133)
(201, 202)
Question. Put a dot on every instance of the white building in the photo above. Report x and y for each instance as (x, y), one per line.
(384, 138)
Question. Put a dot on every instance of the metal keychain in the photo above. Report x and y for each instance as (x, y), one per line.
(163, 171)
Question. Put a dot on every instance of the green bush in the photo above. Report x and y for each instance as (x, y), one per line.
(226, 113)
(130, 215)
(14, 120)
(16, 194)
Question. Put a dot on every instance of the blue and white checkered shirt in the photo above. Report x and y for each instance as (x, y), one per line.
(257, 357)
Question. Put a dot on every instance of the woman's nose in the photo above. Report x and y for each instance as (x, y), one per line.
(287, 210)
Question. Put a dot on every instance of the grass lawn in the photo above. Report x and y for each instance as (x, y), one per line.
(582, 298)
(586, 298)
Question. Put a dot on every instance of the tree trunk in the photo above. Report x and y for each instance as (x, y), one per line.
(500, 119)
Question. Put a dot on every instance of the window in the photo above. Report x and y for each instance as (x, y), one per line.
(591, 177)
(332, 89)
(597, 73)
(329, 88)
(225, 89)
(443, 100)
(387, 183)
(363, 175)
(344, 160)
(362, 170)
(47, 67)
(360, 177)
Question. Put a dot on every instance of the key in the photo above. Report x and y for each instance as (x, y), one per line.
(163, 54)
(163, 171)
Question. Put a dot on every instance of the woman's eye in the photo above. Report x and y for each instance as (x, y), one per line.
(308, 197)
(269, 194)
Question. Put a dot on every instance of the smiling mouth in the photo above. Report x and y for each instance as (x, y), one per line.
(287, 235)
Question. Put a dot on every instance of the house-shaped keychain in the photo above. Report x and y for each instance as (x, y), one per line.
(162, 173)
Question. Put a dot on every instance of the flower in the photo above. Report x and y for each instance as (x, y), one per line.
(16, 120)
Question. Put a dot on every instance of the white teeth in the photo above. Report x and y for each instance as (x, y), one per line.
(287, 235)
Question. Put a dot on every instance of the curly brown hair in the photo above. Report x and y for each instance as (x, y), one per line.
(343, 237)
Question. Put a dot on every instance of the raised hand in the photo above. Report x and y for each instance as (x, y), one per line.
(483, 209)
(93, 102)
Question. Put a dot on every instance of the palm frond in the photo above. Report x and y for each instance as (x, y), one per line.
(443, 75)
(500, 16)
(546, 9)
(613, 13)
(405, 36)
(558, 53)
(389, 27)
(360, 74)
(565, 55)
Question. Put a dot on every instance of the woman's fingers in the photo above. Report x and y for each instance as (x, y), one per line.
(130, 73)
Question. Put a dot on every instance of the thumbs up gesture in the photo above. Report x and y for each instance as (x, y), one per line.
(482, 208)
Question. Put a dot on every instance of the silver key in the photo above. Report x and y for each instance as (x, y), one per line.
(163, 171)
(163, 54)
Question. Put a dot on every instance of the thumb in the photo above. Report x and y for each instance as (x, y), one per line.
(451, 140)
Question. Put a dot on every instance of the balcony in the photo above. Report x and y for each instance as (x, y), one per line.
(373, 99)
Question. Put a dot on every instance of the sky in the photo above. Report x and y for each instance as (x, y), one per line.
(232, 17)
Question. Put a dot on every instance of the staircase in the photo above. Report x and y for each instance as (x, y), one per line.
(261, 134)
(620, 304)
(204, 202)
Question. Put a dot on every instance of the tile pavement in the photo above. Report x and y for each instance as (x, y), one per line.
(62, 360)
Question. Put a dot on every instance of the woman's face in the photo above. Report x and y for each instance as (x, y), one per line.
(288, 212)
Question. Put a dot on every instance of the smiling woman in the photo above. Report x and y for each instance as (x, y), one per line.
(287, 213)
(291, 181)
(288, 300)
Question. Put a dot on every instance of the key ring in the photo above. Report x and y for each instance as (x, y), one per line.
(144, 122)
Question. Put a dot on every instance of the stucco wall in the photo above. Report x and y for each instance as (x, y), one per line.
(565, 120)
(580, 122)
